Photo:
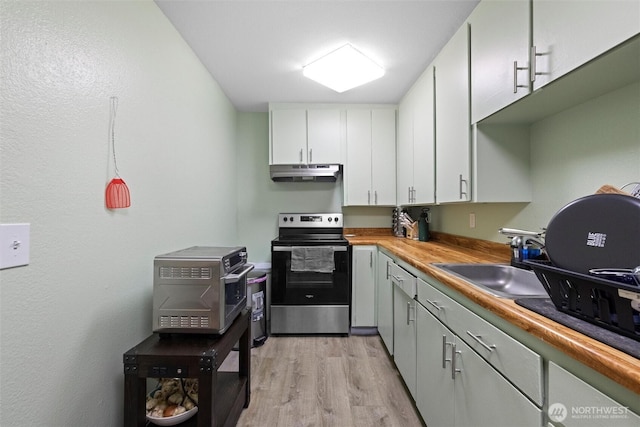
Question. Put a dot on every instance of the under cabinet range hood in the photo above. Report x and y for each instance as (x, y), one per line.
(299, 173)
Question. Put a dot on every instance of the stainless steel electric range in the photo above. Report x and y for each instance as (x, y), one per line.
(310, 275)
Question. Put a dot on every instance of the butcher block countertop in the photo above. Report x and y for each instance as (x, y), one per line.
(443, 248)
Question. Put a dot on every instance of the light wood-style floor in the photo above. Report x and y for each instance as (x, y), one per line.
(326, 381)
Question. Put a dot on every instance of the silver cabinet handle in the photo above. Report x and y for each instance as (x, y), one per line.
(444, 351)
(409, 319)
(368, 197)
(301, 155)
(397, 278)
(478, 339)
(310, 155)
(370, 259)
(409, 195)
(388, 268)
(463, 193)
(532, 70)
(454, 353)
(375, 197)
(515, 77)
(435, 305)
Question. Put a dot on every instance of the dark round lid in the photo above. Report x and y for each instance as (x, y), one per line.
(597, 231)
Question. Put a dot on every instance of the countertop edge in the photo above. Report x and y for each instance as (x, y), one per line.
(610, 362)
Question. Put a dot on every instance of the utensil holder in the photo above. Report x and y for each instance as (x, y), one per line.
(412, 231)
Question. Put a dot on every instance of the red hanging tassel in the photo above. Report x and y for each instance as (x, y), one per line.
(117, 194)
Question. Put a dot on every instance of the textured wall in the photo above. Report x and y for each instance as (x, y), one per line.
(85, 298)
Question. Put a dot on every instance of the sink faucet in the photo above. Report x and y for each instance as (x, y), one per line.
(524, 244)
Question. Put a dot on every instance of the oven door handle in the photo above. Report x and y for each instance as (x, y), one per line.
(290, 248)
(232, 278)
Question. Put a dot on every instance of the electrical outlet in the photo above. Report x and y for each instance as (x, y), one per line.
(14, 245)
(472, 220)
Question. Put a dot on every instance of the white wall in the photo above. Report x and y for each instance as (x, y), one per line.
(85, 298)
(573, 153)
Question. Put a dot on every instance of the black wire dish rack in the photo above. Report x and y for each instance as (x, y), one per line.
(606, 303)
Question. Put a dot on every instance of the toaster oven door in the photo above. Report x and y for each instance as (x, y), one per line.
(205, 304)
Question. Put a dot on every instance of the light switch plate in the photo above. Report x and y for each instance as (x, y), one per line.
(14, 245)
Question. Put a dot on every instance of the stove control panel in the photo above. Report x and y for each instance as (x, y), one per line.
(310, 220)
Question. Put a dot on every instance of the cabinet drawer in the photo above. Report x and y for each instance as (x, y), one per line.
(518, 363)
(438, 304)
(405, 280)
(574, 403)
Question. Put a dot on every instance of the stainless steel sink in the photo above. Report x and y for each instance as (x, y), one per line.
(500, 280)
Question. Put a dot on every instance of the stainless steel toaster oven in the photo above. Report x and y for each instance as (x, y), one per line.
(200, 289)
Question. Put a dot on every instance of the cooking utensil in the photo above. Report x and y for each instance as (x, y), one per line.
(594, 231)
(117, 193)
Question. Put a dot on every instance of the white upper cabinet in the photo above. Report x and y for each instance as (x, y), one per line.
(323, 130)
(500, 54)
(453, 128)
(304, 135)
(288, 136)
(370, 167)
(416, 143)
(567, 34)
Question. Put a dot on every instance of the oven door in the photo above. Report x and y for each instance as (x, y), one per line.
(310, 287)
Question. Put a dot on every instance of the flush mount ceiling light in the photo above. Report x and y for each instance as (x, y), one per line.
(343, 69)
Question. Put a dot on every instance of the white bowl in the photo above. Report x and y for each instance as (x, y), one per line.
(172, 421)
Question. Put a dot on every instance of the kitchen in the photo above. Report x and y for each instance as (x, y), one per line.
(88, 286)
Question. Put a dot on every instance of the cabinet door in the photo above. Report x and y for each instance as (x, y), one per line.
(358, 166)
(452, 120)
(499, 38)
(364, 291)
(572, 402)
(323, 136)
(383, 157)
(434, 388)
(288, 136)
(424, 140)
(479, 391)
(404, 335)
(566, 34)
(385, 301)
(404, 162)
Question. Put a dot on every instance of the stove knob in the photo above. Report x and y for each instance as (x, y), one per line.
(285, 219)
(336, 219)
(291, 219)
(330, 219)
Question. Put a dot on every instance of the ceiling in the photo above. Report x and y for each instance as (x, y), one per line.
(256, 50)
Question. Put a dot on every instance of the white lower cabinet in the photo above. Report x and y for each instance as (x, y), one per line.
(363, 288)
(384, 297)
(404, 325)
(573, 402)
(457, 387)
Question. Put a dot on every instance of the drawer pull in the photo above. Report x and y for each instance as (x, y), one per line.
(454, 370)
(409, 308)
(478, 338)
(444, 351)
(435, 305)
